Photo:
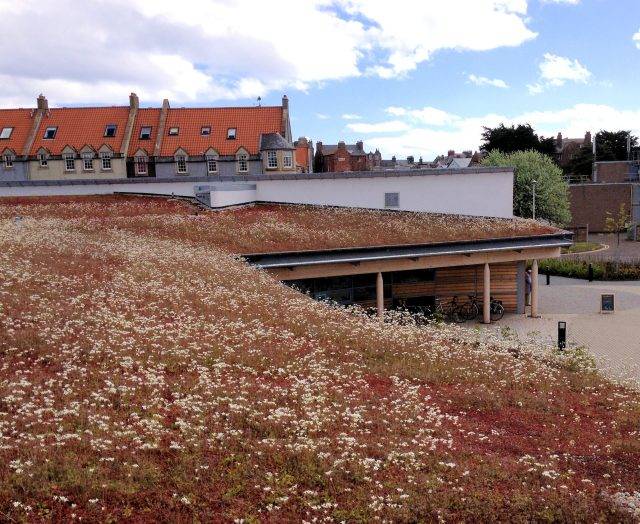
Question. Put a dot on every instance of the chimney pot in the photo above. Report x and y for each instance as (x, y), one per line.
(360, 145)
(134, 101)
(285, 102)
(42, 103)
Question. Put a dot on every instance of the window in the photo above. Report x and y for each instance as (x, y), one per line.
(212, 164)
(6, 133)
(106, 161)
(87, 161)
(243, 165)
(50, 133)
(145, 132)
(181, 163)
(287, 159)
(173, 131)
(69, 162)
(231, 133)
(141, 165)
(272, 160)
(392, 200)
(44, 162)
(8, 161)
(205, 130)
(110, 130)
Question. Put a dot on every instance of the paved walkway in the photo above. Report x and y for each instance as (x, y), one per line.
(613, 338)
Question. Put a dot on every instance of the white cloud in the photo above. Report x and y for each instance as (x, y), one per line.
(322, 116)
(555, 71)
(636, 39)
(572, 2)
(391, 126)
(203, 50)
(426, 115)
(464, 132)
(484, 81)
(351, 116)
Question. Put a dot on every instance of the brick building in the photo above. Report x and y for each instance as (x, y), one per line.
(341, 157)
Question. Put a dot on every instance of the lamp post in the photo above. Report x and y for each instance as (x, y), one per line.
(533, 205)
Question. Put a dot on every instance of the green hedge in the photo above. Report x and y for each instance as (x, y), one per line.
(602, 270)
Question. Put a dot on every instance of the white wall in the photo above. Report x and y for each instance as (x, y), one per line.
(472, 193)
(481, 194)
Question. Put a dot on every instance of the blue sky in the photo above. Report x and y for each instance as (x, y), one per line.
(407, 77)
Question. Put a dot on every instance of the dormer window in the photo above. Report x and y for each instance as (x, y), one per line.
(87, 161)
(141, 165)
(243, 164)
(8, 161)
(231, 133)
(5, 134)
(50, 133)
(105, 157)
(44, 161)
(287, 160)
(205, 130)
(69, 162)
(212, 164)
(272, 160)
(173, 131)
(181, 164)
(110, 130)
(145, 132)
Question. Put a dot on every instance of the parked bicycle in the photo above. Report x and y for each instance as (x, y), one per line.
(472, 308)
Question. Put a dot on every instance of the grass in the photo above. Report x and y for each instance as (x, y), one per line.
(147, 374)
(268, 228)
(581, 247)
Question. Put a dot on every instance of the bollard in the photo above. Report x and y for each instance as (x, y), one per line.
(548, 279)
(562, 335)
(590, 273)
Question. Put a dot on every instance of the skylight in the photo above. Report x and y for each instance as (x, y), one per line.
(110, 130)
(6, 133)
(145, 132)
(50, 133)
(173, 131)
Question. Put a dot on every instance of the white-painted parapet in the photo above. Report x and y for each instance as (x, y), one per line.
(478, 192)
(481, 191)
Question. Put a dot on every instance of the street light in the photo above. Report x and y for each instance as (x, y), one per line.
(533, 213)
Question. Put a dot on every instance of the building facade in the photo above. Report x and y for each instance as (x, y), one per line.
(130, 142)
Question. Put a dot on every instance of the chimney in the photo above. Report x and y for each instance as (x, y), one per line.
(319, 146)
(341, 145)
(164, 112)
(302, 141)
(42, 103)
(587, 138)
(285, 102)
(559, 141)
(451, 152)
(360, 145)
(134, 102)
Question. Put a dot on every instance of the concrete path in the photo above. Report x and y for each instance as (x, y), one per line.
(613, 338)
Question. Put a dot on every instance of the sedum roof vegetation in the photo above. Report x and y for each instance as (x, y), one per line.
(146, 374)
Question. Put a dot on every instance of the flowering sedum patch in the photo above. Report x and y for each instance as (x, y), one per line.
(147, 374)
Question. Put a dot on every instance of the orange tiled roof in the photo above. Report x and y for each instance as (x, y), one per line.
(21, 121)
(80, 126)
(302, 156)
(148, 116)
(250, 123)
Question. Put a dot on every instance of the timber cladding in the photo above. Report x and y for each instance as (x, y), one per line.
(464, 281)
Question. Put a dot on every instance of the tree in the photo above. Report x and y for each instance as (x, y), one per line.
(580, 167)
(318, 162)
(552, 199)
(520, 138)
(612, 145)
(619, 223)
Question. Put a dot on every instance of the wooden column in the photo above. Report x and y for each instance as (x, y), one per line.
(486, 295)
(534, 289)
(380, 294)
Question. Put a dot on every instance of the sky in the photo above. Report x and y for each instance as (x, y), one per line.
(410, 77)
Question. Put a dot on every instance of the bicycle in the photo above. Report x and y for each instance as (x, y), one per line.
(471, 309)
(449, 310)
